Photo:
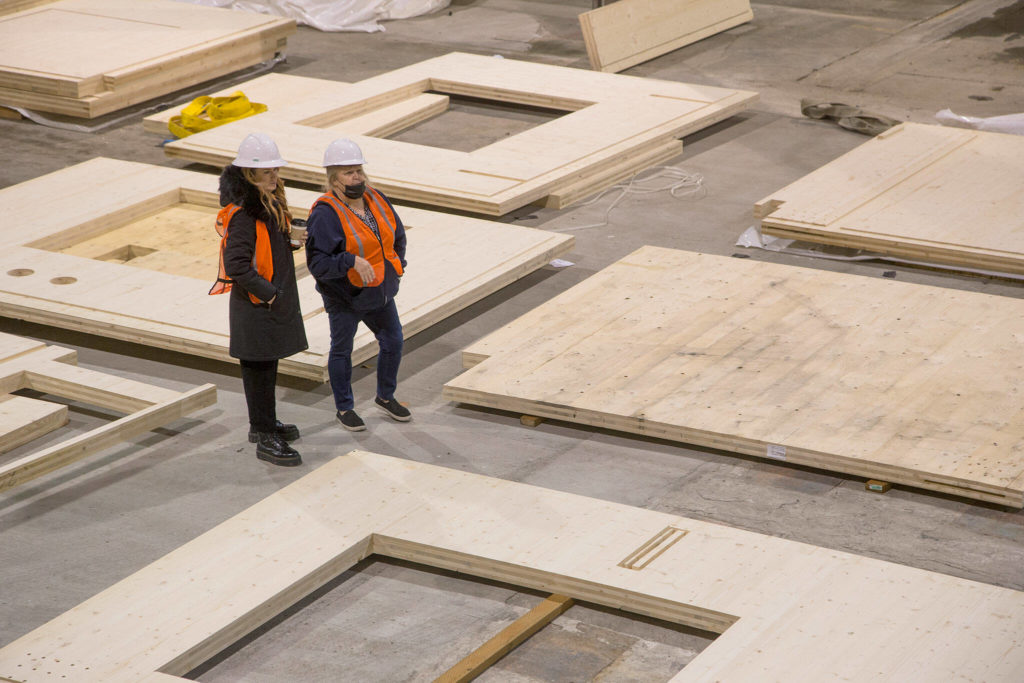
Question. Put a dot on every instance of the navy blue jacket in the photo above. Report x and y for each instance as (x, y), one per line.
(329, 262)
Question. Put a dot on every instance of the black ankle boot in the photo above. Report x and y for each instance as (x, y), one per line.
(272, 448)
(287, 432)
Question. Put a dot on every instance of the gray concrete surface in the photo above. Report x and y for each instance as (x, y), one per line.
(69, 535)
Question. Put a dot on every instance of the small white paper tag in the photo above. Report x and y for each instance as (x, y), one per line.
(775, 452)
(560, 263)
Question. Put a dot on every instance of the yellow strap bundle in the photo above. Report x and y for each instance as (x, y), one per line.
(208, 112)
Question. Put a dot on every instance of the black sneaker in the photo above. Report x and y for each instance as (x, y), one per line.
(351, 421)
(286, 432)
(272, 448)
(394, 409)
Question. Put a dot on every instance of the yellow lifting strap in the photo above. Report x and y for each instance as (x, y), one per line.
(208, 112)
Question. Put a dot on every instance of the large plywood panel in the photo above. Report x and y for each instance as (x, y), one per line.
(90, 57)
(888, 380)
(612, 121)
(786, 611)
(931, 193)
(627, 32)
(121, 235)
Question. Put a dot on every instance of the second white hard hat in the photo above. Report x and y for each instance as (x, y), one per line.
(258, 150)
(343, 152)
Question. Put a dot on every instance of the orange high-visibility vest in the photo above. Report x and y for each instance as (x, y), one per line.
(262, 257)
(361, 241)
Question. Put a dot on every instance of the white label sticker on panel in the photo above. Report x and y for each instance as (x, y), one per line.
(775, 452)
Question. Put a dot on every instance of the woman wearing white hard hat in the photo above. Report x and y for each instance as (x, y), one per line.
(258, 268)
(355, 249)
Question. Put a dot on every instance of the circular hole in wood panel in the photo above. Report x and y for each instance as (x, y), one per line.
(20, 272)
(64, 280)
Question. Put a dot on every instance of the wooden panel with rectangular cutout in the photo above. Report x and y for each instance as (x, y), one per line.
(27, 364)
(887, 380)
(609, 117)
(774, 601)
(929, 193)
(121, 235)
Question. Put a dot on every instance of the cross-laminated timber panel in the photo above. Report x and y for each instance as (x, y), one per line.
(128, 251)
(785, 611)
(28, 364)
(886, 380)
(628, 32)
(611, 118)
(51, 58)
(930, 193)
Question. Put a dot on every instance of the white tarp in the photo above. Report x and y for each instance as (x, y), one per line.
(334, 15)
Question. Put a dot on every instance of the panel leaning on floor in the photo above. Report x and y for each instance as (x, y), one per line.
(887, 380)
(786, 611)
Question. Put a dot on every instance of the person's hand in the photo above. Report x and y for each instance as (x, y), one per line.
(270, 301)
(364, 270)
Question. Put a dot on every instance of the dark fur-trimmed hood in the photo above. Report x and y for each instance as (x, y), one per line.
(235, 189)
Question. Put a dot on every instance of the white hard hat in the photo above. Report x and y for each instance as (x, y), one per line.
(258, 151)
(343, 152)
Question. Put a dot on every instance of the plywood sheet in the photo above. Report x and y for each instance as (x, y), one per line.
(887, 380)
(51, 370)
(609, 117)
(121, 235)
(627, 32)
(49, 56)
(932, 193)
(775, 602)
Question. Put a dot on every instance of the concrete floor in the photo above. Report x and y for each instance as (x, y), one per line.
(69, 535)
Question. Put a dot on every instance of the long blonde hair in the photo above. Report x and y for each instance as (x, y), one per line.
(275, 203)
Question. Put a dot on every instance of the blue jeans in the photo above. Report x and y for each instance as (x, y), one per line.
(385, 325)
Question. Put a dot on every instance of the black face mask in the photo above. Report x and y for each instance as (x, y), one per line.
(355, 191)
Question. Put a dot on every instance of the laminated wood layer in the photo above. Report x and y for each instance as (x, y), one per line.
(627, 32)
(778, 604)
(26, 364)
(932, 193)
(49, 58)
(609, 117)
(886, 380)
(109, 249)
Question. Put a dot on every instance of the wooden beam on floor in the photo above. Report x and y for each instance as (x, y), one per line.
(511, 637)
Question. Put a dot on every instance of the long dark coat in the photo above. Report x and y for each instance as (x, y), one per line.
(259, 332)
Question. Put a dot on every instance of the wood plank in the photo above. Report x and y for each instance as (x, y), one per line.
(886, 380)
(128, 233)
(609, 119)
(511, 637)
(49, 60)
(25, 364)
(902, 194)
(24, 419)
(628, 32)
(774, 601)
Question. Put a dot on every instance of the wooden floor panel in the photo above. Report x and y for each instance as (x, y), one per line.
(903, 194)
(785, 610)
(886, 380)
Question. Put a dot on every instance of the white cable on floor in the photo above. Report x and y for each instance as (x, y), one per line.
(681, 183)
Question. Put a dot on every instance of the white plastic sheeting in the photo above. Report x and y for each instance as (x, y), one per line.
(334, 15)
(1008, 123)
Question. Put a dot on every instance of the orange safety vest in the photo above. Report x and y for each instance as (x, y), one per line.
(262, 257)
(361, 241)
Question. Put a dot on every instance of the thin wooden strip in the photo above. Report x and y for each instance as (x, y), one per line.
(511, 637)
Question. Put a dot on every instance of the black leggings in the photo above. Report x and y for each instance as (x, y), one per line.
(259, 378)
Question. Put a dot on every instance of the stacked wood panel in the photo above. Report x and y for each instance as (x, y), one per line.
(86, 58)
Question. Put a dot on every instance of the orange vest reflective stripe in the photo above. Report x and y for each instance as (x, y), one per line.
(361, 241)
(262, 257)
